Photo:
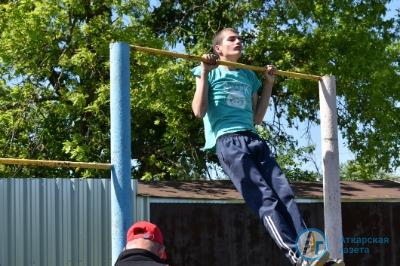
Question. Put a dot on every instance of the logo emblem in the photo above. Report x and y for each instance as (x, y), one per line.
(238, 94)
(311, 244)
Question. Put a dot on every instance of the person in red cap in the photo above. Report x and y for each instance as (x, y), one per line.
(144, 246)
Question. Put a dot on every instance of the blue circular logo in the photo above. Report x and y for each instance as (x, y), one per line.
(311, 244)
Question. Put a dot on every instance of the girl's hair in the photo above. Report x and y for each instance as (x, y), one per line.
(218, 37)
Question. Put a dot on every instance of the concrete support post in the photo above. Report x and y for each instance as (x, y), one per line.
(330, 157)
(121, 191)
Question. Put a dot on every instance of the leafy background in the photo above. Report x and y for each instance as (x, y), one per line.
(54, 81)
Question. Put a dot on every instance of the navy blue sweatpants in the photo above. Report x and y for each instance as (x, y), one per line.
(248, 162)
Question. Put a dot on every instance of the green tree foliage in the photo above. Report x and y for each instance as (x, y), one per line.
(352, 170)
(54, 67)
(349, 39)
(353, 41)
(54, 78)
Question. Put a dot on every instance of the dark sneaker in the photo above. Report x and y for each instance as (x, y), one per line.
(321, 260)
(337, 262)
(318, 262)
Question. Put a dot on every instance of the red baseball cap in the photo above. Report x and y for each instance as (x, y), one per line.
(146, 230)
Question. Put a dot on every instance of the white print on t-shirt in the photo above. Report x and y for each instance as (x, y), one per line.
(237, 92)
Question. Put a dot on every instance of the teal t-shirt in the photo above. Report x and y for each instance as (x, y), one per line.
(229, 102)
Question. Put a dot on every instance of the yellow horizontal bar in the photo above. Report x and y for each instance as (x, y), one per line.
(221, 62)
(55, 164)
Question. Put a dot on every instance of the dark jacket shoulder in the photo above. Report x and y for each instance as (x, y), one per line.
(138, 257)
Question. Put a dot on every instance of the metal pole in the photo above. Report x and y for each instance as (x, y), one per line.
(330, 156)
(55, 164)
(221, 62)
(121, 191)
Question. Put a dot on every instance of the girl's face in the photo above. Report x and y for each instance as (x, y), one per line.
(231, 46)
